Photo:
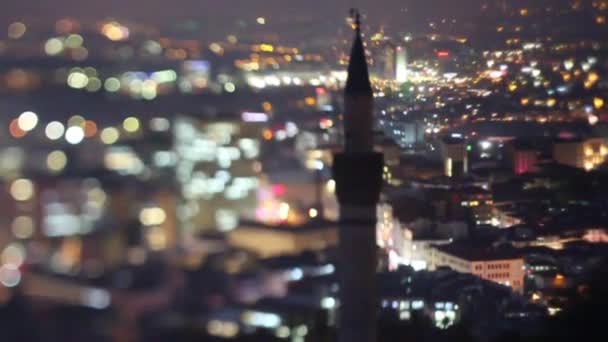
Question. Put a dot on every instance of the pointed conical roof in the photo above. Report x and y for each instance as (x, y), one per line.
(358, 75)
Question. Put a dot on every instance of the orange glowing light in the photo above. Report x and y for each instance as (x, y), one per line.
(267, 106)
(90, 128)
(598, 102)
(267, 134)
(310, 101)
(16, 132)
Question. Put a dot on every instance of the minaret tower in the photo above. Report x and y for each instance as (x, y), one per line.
(358, 175)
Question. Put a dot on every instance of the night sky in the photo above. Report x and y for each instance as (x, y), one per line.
(223, 13)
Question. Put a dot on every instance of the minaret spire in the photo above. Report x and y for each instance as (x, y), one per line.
(358, 175)
(358, 97)
(358, 75)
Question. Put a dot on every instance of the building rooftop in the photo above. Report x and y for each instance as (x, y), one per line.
(311, 225)
(473, 252)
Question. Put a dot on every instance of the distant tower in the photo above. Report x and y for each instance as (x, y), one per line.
(358, 175)
(400, 64)
(389, 61)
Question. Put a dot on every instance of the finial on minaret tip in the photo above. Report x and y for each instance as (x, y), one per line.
(358, 76)
(356, 16)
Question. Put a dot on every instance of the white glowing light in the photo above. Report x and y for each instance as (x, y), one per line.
(254, 117)
(9, 276)
(54, 130)
(27, 121)
(74, 135)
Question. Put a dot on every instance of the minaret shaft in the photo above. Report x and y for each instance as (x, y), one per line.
(358, 175)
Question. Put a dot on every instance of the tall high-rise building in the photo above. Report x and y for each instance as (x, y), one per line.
(389, 61)
(400, 64)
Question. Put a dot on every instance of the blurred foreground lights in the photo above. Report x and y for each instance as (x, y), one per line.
(78, 80)
(53, 47)
(131, 124)
(229, 87)
(23, 227)
(328, 303)
(312, 212)
(14, 129)
(9, 277)
(27, 121)
(94, 84)
(54, 130)
(115, 31)
(261, 319)
(16, 30)
(152, 216)
(149, 90)
(13, 255)
(90, 128)
(593, 119)
(22, 189)
(56, 161)
(74, 135)
(157, 240)
(261, 20)
(95, 298)
(137, 256)
(74, 41)
(76, 120)
(160, 124)
(112, 84)
(223, 329)
(485, 145)
(284, 211)
(109, 135)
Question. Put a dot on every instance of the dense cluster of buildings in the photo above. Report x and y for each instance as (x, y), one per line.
(156, 185)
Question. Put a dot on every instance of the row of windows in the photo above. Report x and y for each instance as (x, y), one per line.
(499, 266)
(494, 266)
(498, 275)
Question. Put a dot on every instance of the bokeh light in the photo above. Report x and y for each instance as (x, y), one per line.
(13, 255)
(78, 80)
(16, 30)
(22, 189)
(152, 216)
(109, 135)
(90, 128)
(115, 31)
(74, 135)
(56, 161)
(14, 129)
(10, 277)
(112, 84)
(74, 41)
(53, 46)
(77, 120)
(54, 130)
(23, 227)
(131, 124)
(27, 121)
